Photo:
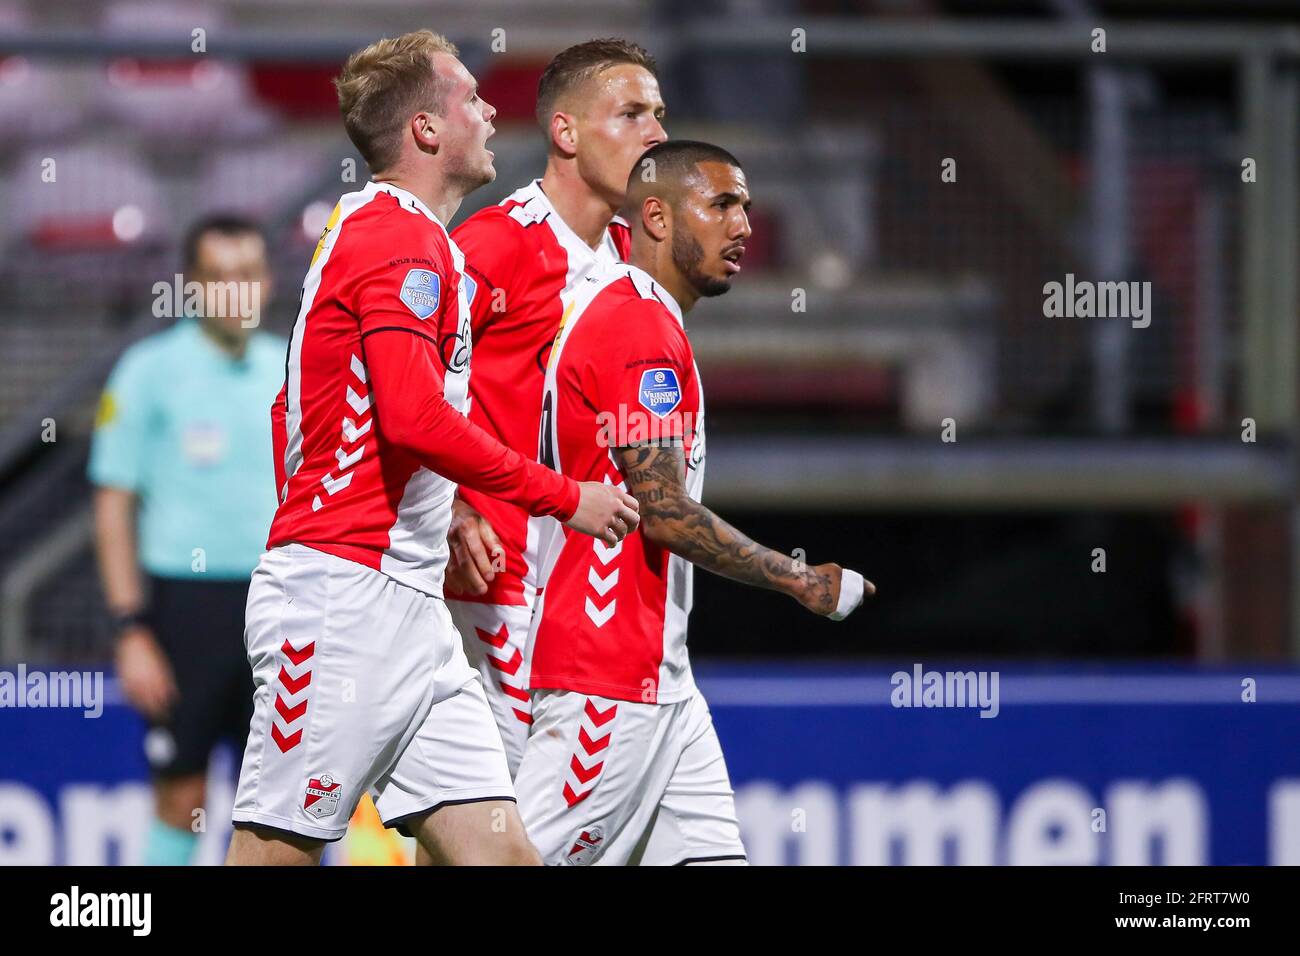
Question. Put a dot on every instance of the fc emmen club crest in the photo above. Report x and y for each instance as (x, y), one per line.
(322, 796)
(585, 846)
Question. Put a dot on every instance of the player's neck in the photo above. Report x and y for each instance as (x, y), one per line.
(581, 209)
(657, 262)
(442, 198)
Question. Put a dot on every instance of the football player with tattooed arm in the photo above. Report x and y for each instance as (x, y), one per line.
(599, 107)
(623, 765)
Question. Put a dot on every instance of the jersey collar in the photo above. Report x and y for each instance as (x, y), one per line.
(538, 207)
(405, 198)
(650, 289)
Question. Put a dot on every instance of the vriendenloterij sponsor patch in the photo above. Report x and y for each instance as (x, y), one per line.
(420, 291)
(659, 393)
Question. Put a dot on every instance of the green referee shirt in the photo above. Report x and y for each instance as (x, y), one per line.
(187, 428)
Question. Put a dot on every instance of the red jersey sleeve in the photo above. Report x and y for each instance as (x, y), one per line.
(403, 299)
(639, 379)
(406, 380)
(493, 245)
(403, 277)
(280, 440)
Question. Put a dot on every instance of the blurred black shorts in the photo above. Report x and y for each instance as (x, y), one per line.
(200, 625)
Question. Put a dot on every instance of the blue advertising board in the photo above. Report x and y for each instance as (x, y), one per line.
(912, 764)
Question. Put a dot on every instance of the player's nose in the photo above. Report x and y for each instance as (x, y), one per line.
(741, 230)
(657, 134)
(489, 112)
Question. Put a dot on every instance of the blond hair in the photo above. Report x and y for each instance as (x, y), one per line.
(573, 67)
(382, 85)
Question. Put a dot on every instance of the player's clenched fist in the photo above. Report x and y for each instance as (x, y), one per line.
(604, 512)
(832, 591)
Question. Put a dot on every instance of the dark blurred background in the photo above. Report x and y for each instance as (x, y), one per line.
(923, 299)
(885, 310)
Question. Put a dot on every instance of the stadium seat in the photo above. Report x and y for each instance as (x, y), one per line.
(33, 104)
(176, 100)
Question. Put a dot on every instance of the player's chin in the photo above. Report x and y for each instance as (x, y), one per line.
(714, 286)
(483, 177)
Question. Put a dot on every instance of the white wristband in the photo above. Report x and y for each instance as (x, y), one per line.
(851, 591)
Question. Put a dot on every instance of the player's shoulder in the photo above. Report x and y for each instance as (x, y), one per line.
(496, 217)
(628, 293)
(626, 313)
(383, 224)
(500, 229)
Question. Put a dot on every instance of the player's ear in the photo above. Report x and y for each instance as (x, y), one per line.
(656, 218)
(564, 133)
(425, 133)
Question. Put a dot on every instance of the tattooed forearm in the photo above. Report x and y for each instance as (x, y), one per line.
(669, 517)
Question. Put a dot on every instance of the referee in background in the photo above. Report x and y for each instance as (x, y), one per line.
(185, 494)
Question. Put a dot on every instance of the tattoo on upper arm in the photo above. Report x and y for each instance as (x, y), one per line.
(655, 473)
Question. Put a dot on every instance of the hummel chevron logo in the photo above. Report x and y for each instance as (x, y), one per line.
(584, 774)
(600, 617)
(359, 404)
(347, 461)
(285, 743)
(510, 666)
(297, 657)
(351, 432)
(602, 585)
(606, 554)
(497, 640)
(573, 799)
(599, 718)
(294, 684)
(518, 693)
(290, 714)
(592, 747)
(333, 485)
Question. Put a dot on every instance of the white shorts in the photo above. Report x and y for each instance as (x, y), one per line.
(495, 636)
(360, 685)
(618, 783)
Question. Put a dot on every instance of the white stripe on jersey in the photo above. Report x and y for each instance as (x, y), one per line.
(347, 205)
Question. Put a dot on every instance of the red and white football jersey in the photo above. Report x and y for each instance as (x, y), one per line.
(524, 264)
(385, 264)
(611, 621)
